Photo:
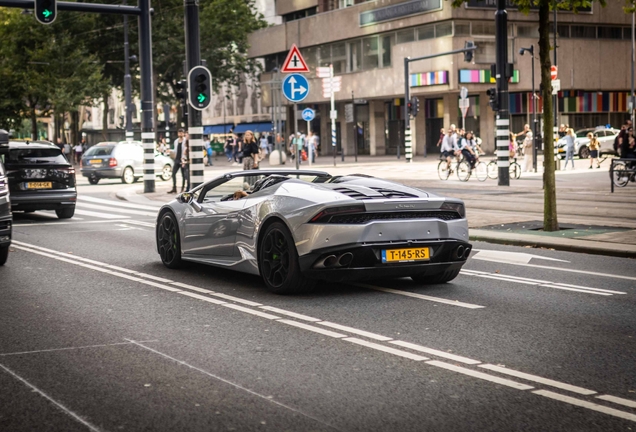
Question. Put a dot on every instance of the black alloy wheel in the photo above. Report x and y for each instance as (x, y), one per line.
(65, 213)
(4, 254)
(168, 241)
(278, 262)
(93, 179)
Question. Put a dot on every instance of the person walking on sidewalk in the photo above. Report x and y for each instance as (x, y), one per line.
(569, 147)
(250, 151)
(176, 153)
(594, 147)
(527, 149)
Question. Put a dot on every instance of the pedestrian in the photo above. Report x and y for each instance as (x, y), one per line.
(208, 149)
(512, 146)
(185, 165)
(629, 146)
(570, 137)
(313, 146)
(176, 153)
(238, 150)
(263, 145)
(79, 148)
(270, 143)
(250, 151)
(229, 146)
(60, 144)
(594, 148)
(527, 163)
(441, 137)
(562, 130)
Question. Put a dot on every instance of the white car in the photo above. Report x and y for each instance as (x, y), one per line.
(605, 138)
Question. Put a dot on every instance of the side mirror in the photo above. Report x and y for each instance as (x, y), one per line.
(185, 198)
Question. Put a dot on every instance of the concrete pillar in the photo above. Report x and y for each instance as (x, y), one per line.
(377, 141)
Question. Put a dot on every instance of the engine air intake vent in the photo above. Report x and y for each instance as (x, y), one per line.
(351, 193)
(361, 218)
(388, 193)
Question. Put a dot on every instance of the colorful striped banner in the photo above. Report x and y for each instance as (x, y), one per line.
(578, 101)
(482, 76)
(429, 78)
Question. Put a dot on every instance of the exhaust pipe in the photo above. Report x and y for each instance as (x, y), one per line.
(345, 259)
(459, 252)
(467, 253)
(326, 262)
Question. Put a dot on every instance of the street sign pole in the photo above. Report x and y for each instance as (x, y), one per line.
(147, 92)
(332, 115)
(296, 140)
(503, 117)
(309, 149)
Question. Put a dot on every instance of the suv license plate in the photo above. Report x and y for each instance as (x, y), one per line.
(405, 255)
(95, 161)
(39, 185)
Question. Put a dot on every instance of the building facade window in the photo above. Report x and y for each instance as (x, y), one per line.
(483, 29)
(582, 32)
(296, 15)
(426, 32)
(387, 46)
(462, 29)
(370, 58)
(528, 30)
(610, 33)
(405, 36)
(344, 3)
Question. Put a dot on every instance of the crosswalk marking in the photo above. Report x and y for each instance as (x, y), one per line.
(117, 203)
(116, 209)
(100, 215)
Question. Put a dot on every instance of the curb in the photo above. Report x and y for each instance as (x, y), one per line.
(568, 245)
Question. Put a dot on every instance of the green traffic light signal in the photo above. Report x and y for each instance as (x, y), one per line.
(199, 86)
(201, 98)
(45, 11)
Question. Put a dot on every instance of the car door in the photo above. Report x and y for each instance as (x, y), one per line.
(212, 230)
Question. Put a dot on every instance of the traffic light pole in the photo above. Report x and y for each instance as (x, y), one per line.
(407, 95)
(142, 11)
(195, 123)
(127, 83)
(503, 115)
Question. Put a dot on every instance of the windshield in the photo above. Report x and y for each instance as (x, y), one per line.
(36, 156)
(99, 151)
(583, 133)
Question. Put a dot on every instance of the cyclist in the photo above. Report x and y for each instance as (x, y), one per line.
(448, 148)
(466, 147)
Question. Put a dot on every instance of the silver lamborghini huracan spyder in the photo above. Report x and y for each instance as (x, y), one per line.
(296, 227)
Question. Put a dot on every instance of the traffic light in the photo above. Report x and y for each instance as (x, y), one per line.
(181, 88)
(45, 11)
(493, 98)
(414, 106)
(468, 55)
(199, 87)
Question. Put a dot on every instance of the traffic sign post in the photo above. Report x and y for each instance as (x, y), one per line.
(295, 88)
(308, 115)
(556, 86)
(554, 72)
(464, 104)
(330, 85)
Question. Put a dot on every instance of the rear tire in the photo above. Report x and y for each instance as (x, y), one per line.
(166, 172)
(515, 171)
(65, 213)
(442, 170)
(493, 170)
(463, 171)
(4, 255)
(481, 171)
(128, 176)
(620, 179)
(93, 179)
(278, 262)
(169, 241)
(438, 278)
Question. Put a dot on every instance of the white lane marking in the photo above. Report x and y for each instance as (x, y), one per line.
(544, 282)
(190, 287)
(141, 223)
(480, 375)
(238, 386)
(99, 215)
(235, 299)
(157, 278)
(251, 311)
(70, 348)
(585, 404)
(200, 297)
(507, 257)
(617, 400)
(158, 285)
(115, 209)
(615, 276)
(528, 377)
(355, 331)
(291, 314)
(435, 352)
(313, 328)
(117, 203)
(420, 296)
(386, 349)
(50, 399)
(35, 224)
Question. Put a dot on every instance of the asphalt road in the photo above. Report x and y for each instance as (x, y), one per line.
(96, 334)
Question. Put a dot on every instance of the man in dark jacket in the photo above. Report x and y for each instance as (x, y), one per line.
(177, 151)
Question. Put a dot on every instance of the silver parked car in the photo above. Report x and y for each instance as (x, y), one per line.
(123, 160)
(296, 227)
(605, 138)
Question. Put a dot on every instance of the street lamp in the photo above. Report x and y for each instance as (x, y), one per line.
(534, 110)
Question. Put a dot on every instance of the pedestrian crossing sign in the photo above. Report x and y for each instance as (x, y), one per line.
(294, 63)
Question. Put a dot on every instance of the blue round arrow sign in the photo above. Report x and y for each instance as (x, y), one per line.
(308, 114)
(295, 87)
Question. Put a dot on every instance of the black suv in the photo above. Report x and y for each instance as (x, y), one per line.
(40, 178)
(5, 204)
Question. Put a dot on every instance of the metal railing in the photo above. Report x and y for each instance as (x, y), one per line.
(622, 171)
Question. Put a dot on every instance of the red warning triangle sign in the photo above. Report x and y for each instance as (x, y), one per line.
(294, 62)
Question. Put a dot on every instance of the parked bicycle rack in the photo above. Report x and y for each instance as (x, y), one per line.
(623, 173)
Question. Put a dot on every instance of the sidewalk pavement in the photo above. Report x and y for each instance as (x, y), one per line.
(592, 220)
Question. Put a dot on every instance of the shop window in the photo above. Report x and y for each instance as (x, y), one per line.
(483, 29)
(426, 32)
(610, 33)
(387, 43)
(444, 29)
(583, 32)
(339, 57)
(462, 29)
(370, 59)
(355, 56)
(529, 31)
(405, 36)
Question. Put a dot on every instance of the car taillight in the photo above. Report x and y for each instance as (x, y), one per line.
(456, 207)
(326, 214)
(112, 162)
(4, 186)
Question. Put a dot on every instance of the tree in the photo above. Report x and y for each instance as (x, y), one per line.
(550, 221)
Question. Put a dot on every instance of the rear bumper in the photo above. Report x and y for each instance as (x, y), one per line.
(5, 229)
(44, 200)
(367, 260)
(114, 172)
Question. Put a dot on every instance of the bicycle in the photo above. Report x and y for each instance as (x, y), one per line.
(514, 169)
(463, 169)
(621, 175)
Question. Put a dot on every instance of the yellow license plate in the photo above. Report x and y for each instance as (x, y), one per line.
(39, 185)
(95, 161)
(405, 255)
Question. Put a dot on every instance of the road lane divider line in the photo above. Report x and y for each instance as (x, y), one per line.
(230, 383)
(117, 203)
(585, 404)
(420, 296)
(63, 408)
(190, 287)
(73, 222)
(435, 352)
(127, 211)
(60, 256)
(235, 299)
(579, 271)
(538, 379)
(69, 348)
(591, 289)
(100, 215)
(543, 282)
(355, 331)
(313, 328)
(617, 400)
(290, 314)
(480, 375)
(386, 349)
